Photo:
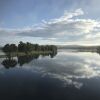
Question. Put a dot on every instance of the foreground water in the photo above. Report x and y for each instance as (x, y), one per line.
(67, 76)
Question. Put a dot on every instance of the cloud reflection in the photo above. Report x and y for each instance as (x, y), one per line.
(68, 67)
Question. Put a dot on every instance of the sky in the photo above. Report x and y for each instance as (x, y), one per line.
(59, 22)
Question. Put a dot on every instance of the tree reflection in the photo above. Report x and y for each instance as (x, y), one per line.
(53, 54)
(26, 59)
(9, 62)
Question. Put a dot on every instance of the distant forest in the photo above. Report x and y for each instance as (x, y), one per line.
(81, 48)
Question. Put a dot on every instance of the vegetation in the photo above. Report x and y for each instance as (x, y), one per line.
(8, 48)
(25, 53)
(27, 48)
(98, 49)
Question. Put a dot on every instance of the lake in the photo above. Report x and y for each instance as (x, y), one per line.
(69, 75)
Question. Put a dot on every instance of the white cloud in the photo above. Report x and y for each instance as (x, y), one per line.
(66, 16)
(68, 26)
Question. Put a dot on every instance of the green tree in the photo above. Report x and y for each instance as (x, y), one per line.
(6, 48)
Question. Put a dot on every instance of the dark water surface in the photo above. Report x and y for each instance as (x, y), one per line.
(67, 76)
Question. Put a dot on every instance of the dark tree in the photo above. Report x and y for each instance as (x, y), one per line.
(13, 48)
(28, 48)
(8, 48)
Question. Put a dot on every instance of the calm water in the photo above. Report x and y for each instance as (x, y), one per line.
(67, 76)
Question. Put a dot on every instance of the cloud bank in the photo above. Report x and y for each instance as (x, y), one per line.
(67, 28)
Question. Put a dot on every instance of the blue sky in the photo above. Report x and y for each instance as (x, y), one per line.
(50, 21)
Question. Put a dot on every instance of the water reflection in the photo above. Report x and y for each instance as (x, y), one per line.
(26, 59)
(65, 67)
(68, 67)
(67, 74)
(9, 62)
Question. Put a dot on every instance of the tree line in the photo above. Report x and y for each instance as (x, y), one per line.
(28, 48)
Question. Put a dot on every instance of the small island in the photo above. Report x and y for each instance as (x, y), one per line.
(25, 53)
(22, 49)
